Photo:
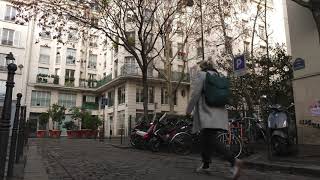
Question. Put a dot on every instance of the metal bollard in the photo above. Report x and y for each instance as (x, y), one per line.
(21, 134)
(5, 119)
(14, 135)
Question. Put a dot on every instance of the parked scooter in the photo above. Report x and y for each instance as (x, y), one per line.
(141, 134)
(282, 130)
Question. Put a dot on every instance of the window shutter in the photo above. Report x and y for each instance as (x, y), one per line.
(2, 12)
(1, 34)
(16, 41)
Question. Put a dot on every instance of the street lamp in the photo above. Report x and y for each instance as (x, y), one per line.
(10, 59)
(6, 114)
(190, 3)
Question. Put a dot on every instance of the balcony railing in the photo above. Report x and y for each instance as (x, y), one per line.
(90, 105)
(134, 70)
(91, 83)
(176, 76)
(48, 79)
(105, 80)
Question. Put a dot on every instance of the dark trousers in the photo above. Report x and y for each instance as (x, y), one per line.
(209, 143)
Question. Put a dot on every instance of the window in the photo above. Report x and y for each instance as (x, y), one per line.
(69, 77)
(130, 16)
(40, 98)
(45, 34)
(110, 98)
(199, 47)
(148, 15)
(10, 37)
(44, 57)
(57, 71)
(180, 68)
(131, 36)
(11, 13)
(58, 55)
(121, 95)
(67, 100)
(180, 51)
(262, 32)
(180, 26)
(2, 89)
(3, 62)
(120, 124)
(139, 95)
(92, 61)
(92, 78)
(43, 70)
(93, 41)
(72, 36)
(71, 56)
(165, 97)
(246, 46)
(90, 99)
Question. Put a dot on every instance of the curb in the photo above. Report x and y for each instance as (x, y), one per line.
(121, 146)
(290, 169)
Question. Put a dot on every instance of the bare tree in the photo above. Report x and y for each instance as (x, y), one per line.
(135, 25)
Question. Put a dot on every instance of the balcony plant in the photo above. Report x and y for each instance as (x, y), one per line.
(43, 122)
(57, 114)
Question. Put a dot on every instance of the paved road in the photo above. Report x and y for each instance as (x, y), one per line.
(77, 159)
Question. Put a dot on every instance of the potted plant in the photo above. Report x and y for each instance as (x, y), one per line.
(90, 125)
(76, 115)
(43, 121)
(57, 114)
(71, 129)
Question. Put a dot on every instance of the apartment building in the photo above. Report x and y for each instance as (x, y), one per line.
(303, 45)
(80, 72)
(15, 38)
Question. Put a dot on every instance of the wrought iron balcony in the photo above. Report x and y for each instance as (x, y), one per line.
(48, 79)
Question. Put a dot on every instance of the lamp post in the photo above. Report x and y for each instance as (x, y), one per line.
(14, 135)
(190, 3)
(6, 114)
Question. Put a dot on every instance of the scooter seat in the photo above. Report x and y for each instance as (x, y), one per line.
(141, 133)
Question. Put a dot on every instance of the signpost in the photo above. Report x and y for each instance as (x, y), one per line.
(239, 65)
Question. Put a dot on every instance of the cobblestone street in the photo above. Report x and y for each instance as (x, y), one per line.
(75, 159)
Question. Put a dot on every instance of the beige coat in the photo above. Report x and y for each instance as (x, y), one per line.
(203, 115)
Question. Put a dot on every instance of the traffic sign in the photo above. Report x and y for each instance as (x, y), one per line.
(239, 65)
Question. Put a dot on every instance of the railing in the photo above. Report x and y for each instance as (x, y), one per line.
(105, 80)
(47, 79)
(132, 69)
(176, 76)
(88, 83)
(90, 105)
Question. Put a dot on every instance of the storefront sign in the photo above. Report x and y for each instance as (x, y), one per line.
(298, 64)
(315, 109)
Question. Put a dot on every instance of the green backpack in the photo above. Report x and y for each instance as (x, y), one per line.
(216, 90)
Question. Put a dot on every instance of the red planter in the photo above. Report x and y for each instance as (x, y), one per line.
(54, 133)
(88, 133)
(72, 133)
(41, 133)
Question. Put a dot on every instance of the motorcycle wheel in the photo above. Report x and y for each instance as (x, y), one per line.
(278, 145)
(181, 144)
(135, 141)
(154, 144)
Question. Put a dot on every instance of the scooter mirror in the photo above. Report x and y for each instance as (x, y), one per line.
(264, 96)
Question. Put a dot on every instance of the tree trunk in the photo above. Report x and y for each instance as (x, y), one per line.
(145, 93)
(170, 90)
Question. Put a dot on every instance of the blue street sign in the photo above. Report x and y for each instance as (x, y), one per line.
(239, 65)
(298, 64)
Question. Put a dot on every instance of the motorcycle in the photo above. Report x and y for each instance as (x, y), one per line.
(168, 127)
(282, 130)
(141, 133)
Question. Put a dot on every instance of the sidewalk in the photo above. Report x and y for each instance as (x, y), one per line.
(306, 162)
(34, 168)
(116, 142)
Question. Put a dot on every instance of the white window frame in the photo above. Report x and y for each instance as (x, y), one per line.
(67, 100)
(93, 61)
(71, 53)
(14, 38)
(10, 13)
(40, 98)
(44, 56)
